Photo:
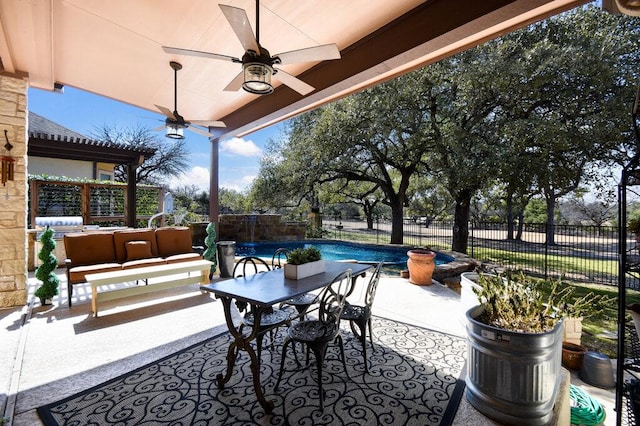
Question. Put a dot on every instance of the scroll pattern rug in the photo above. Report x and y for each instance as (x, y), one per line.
(415, 378)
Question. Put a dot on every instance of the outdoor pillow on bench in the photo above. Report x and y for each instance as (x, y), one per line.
(138, 250)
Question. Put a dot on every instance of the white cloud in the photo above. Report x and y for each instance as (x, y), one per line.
(198, 176)
(238, 185)
(238, 146)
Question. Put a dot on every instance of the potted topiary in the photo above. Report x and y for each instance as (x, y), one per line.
(210, 253)
(515, 349)
(303, 262)
(45, 271)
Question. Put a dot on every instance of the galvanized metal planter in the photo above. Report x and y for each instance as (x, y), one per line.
(512, 377)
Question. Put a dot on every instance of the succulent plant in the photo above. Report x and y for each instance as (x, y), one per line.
(300, 256)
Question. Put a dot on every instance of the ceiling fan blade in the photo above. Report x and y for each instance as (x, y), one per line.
(208, 123)
(294, 82)
(157, 129)
(178, 51)
(202, 132)
(241, 26)
(310, 54)
(235, 84)
(167, 112)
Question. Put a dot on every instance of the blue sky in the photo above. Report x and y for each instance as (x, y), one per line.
(83, 112)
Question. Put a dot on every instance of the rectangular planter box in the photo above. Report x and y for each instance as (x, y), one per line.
(298, 272)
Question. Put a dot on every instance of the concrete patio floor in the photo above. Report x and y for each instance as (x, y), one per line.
(49, 352)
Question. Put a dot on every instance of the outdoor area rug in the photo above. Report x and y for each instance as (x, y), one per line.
(415, 378)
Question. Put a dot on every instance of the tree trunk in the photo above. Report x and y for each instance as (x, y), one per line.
(397, 223)
(551, 206)
(510, 216)
(520, 224)
(368, 213)
(369, 217)
(461, 223)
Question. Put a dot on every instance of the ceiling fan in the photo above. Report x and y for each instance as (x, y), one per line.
(257, 62)
(175, 123)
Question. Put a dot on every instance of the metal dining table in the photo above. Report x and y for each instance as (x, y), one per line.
(262, 291)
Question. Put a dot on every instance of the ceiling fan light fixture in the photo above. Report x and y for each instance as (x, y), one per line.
(257, 78)
(175, 131)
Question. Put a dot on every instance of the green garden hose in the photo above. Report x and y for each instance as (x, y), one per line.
(585, 410)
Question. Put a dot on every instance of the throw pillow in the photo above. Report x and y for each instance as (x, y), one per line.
(138, 250)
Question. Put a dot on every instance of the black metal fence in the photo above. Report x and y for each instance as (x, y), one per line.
(579, 253)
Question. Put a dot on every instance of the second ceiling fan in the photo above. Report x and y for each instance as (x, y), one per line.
(175, 123)
(257, 63)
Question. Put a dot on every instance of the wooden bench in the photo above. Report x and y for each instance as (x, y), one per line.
(167, 272)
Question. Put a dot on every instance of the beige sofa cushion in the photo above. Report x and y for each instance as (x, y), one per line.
(184, 257)
(77, 274)
(141, 263)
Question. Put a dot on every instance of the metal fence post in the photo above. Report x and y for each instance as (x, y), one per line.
(472, 247)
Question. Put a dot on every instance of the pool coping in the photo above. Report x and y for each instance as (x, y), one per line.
(461, 262)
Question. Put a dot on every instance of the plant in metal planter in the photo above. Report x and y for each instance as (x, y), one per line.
(46, 271)
(515, 345)
(514, 349)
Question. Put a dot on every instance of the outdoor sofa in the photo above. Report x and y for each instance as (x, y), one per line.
(106, 251)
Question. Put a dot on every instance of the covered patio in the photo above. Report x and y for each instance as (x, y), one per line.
(118, 50)
(115, 49)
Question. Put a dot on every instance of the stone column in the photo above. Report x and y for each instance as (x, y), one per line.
(13, 195)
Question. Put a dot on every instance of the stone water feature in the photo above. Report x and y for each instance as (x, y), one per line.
(255, 228)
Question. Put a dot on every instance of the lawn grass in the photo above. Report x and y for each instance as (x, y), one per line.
(573, 265)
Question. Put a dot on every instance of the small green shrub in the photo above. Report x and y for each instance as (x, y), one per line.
(300, 256)
(315, 232)
(634, 225)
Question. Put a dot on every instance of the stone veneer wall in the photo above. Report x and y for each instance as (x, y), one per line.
(258, 227)
(13, 196)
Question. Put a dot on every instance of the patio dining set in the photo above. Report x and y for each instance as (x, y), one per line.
(268, 298)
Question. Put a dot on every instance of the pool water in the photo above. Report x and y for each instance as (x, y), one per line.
(393, 257)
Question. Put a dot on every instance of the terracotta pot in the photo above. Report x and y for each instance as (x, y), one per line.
(573, 355)
(421, 265)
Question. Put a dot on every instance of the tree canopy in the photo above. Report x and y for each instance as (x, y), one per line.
(169, 161)
(538, 112)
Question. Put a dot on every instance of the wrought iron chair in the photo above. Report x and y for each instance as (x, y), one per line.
(280, 256)
(360, 315)
(317, 334)
(300, 303)
(270, 318)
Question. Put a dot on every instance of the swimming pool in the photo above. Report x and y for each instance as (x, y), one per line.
(394, 257)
